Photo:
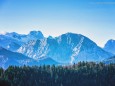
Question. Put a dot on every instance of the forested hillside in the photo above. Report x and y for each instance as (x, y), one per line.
(81, 74)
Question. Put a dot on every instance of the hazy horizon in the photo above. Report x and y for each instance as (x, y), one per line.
(94, 19)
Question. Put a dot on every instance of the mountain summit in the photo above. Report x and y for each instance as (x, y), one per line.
(37, 34)
(13, 41)
(110, 46)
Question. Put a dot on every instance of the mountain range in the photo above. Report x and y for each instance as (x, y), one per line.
(35, 49)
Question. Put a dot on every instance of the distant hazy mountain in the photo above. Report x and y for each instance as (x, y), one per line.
(67, 48)
(33, 35)
(8, 58)
(47, 61)
(13, 41)
(110, 46)
(12, 58)
(9, 43)
(109, 60)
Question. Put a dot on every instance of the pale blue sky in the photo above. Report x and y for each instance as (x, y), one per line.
(92, 18)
